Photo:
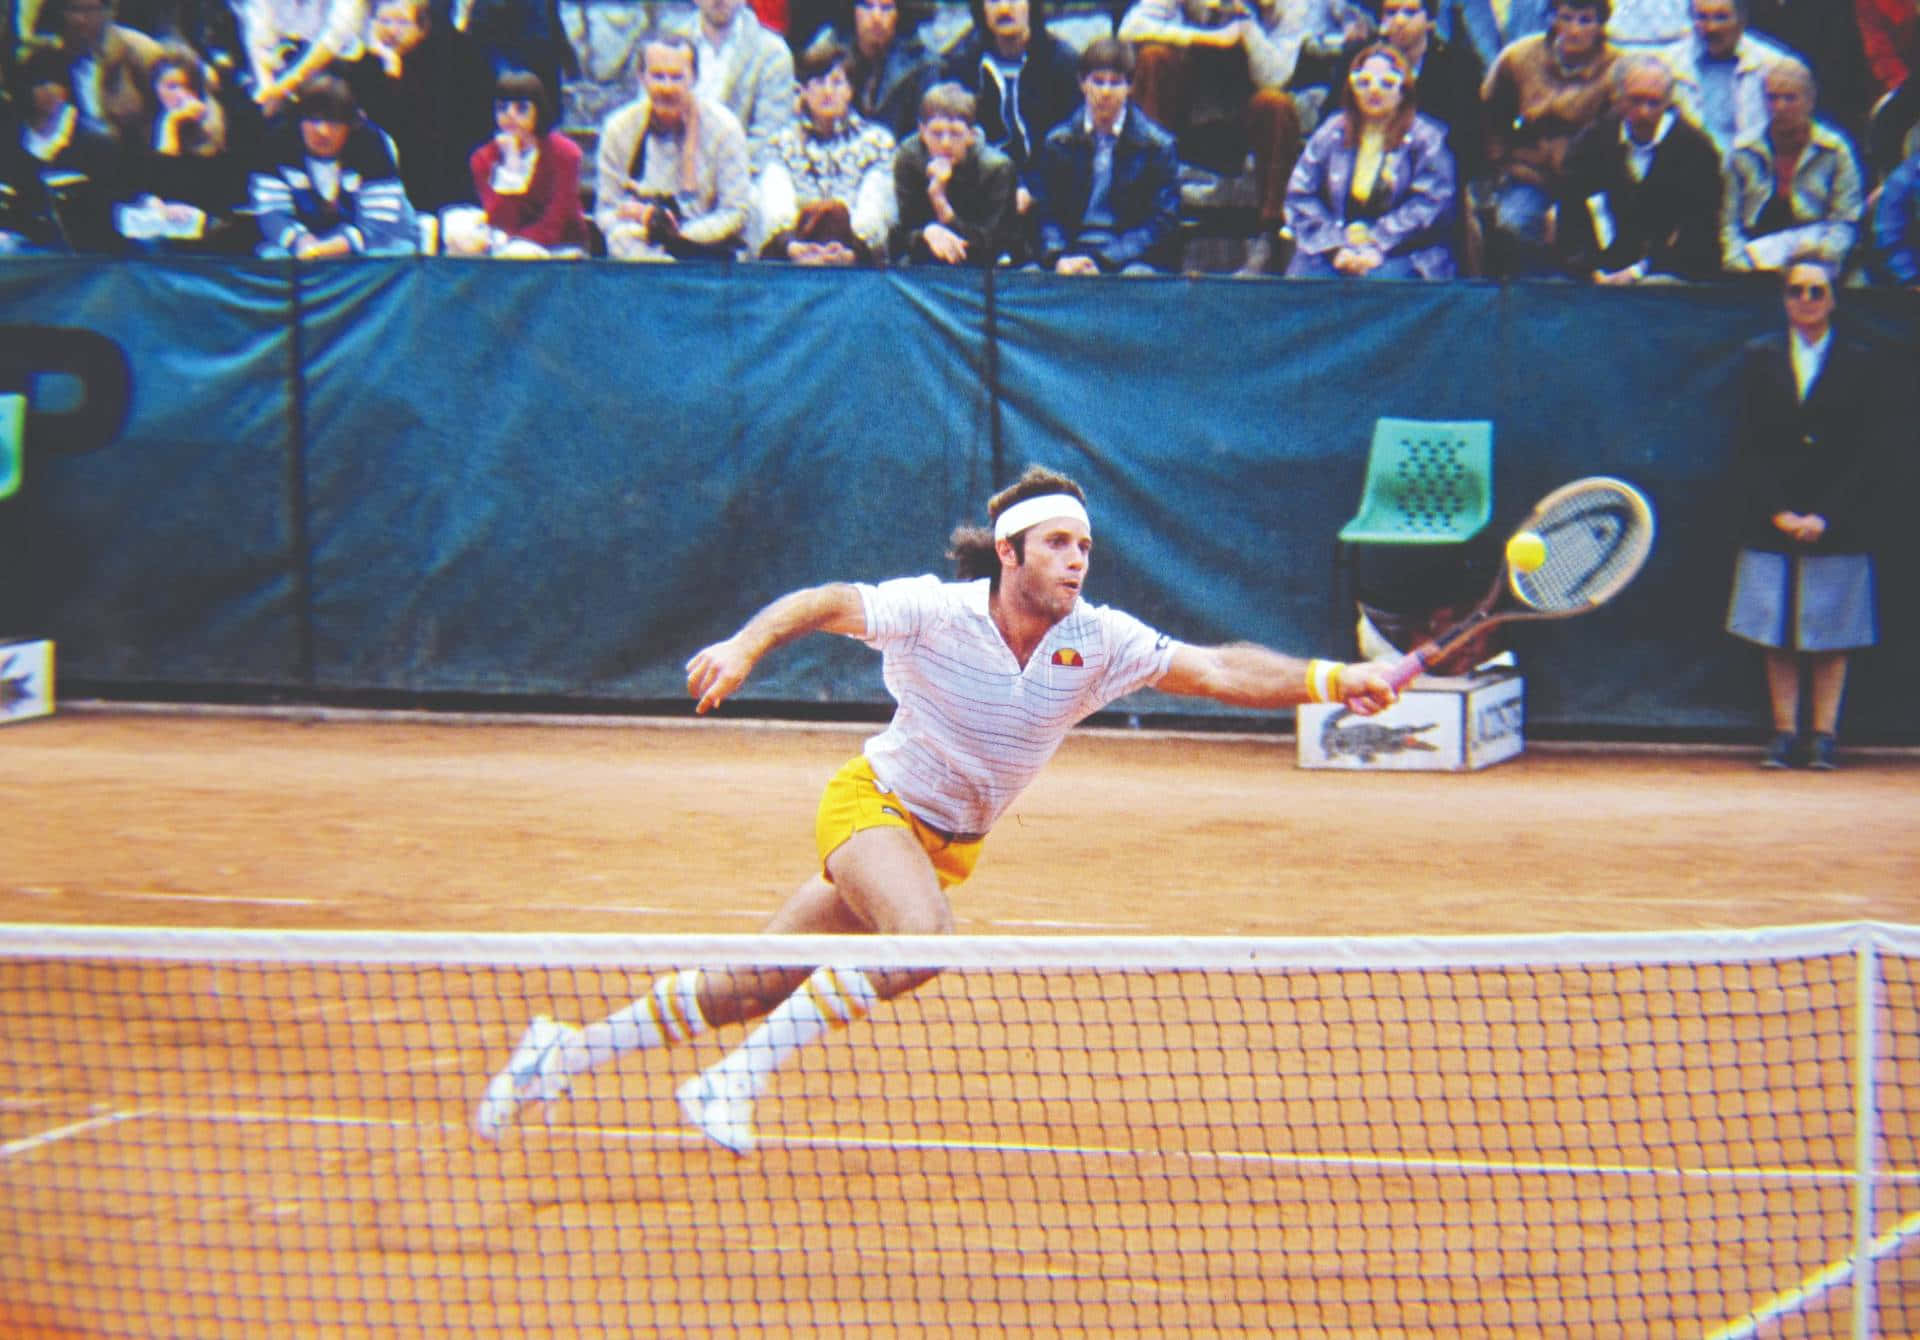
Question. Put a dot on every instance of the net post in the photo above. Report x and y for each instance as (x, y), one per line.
(1865, 1099)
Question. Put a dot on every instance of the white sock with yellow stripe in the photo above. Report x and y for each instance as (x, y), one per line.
(830, 999)
(667, 1015)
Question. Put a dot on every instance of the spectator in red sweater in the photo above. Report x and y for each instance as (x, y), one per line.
(1890, 32)
(528, 180)
(1890, 35)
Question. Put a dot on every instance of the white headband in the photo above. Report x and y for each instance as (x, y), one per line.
(1032, 511)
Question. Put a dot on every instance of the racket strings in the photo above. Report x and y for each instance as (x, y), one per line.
(1595, 542)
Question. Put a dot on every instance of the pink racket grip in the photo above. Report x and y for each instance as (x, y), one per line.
(1407, 669)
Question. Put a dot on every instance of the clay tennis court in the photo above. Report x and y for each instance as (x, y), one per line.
(211, 1149)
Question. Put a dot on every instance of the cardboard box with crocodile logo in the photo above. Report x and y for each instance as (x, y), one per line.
(1439, 725)
(26, 680)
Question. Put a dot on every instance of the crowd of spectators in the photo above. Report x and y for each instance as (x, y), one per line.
(1606, 141)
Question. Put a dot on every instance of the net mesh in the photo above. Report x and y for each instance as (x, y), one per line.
(228, 1134)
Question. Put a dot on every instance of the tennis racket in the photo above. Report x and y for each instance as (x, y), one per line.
(1596, 534)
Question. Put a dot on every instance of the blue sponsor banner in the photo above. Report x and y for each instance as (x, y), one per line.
(559, 480)
(159, 545)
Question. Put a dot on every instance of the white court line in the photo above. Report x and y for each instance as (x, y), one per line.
(628, 909)
(1789, 1300)
(1045, 924)
(753, 914)
(1371, 1162)
(26, 1144)
(1379, 1162)
(1743, 1329)
(346, 1009)
(636, 910)
(1106, 1266)
(267, 1117)
(168, 896)
(1835, 1272)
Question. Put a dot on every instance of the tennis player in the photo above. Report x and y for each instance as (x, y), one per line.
(989, 674)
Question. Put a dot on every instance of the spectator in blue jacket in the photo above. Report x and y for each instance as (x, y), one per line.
(331, 187)
(1896, 227)
(1105, 195)
(1374, 193)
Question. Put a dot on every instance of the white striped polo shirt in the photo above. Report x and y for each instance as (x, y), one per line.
(972, 727)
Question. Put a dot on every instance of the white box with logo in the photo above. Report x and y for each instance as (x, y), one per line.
(1453, 724)
(26, 680)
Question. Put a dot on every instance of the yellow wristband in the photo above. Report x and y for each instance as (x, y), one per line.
(1323, 681)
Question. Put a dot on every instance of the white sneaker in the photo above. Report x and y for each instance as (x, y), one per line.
(723, 1116)
(531, 1075)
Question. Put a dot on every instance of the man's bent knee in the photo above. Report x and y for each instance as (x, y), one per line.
(885, 877)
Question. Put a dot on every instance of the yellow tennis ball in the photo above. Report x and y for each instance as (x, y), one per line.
(1526, 551)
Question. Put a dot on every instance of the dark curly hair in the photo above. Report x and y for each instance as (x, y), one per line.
(971, 548)
(326, 97)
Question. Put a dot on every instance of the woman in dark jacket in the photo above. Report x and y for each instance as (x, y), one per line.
(1806, 475)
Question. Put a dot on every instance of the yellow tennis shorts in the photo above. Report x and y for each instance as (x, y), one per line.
(854, 801)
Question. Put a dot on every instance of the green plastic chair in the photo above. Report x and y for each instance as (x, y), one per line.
(13, 418)
(1428, 482)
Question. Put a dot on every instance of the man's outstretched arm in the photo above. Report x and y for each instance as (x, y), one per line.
(715, 672)
(1245, 674)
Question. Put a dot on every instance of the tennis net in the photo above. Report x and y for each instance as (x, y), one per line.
(265, 1133)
